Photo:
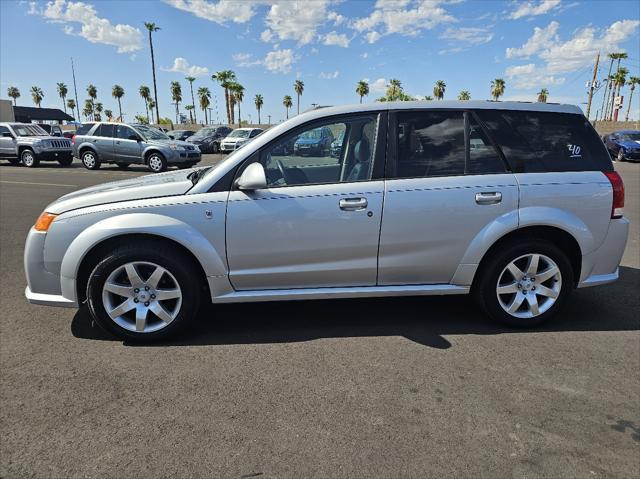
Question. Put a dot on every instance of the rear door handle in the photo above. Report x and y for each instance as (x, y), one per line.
(488, 197)
(353, 204)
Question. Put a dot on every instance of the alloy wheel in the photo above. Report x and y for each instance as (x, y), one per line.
(89, 160)
(529, 285)
(155, 163)
(142, 305)
(27, 158)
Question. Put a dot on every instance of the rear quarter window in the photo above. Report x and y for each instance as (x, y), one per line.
(84, 128)
(536, 142)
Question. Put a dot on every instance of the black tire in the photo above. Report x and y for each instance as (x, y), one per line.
(90, 160)
(620, 155)
(214, 147)
(156, 162)
(485, 286)
(123, 166)
(66, 161)
(15, 161)
(29, 159)
(175, 262)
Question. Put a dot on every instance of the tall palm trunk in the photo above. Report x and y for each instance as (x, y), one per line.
(260, 123)
(298, 103)
(177, 113)
(120, 108)
(193, 102)
(146, 107)
(227, 105)
(605, 97)
(626, 118)
(613, 100)
(605, 115)
(239, 117)
(64, 104)
(153, 68)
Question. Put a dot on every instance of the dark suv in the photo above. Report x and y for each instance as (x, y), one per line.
(208, 138)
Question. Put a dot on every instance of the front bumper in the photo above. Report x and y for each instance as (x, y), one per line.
(188, 156)
(53, 155)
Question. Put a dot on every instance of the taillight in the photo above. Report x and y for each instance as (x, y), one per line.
(73, 139)
(618, 193)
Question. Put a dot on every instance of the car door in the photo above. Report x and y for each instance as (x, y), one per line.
(306, 231)
(127, 147)
(7, 142)
(446, 183)
(102, 138)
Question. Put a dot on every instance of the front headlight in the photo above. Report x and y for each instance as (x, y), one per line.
(177, 147)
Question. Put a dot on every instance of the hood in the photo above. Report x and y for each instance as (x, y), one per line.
(198, 139)
(234, 139)
(629, 144)
(168, 142)
(149, 186)
(33, 139)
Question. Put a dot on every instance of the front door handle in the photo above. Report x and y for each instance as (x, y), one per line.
(353, 204)
(488, 197)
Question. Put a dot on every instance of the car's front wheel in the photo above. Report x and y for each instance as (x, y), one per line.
(620, 155)
(156, 162)
(144, 292)
(525, 283)
(214, 147)
(90, 160)
(28, 158)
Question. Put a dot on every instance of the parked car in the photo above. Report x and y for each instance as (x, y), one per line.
(69, 133)
(181, 135)
(29, 144)
(336, 145)
(123, 145)
(52, 130)
(238, 138)
(316, 142)
(532, 211)
(624, 145)
(208, 138)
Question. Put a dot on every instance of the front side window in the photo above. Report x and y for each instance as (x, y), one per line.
(310, 156)
(150, 133)
(124, 132)
(3, 130)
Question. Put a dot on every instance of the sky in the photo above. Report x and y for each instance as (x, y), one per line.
(328, 44)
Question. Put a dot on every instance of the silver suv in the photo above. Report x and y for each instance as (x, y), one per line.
(97, 143)
(29, 144)
(517, 204)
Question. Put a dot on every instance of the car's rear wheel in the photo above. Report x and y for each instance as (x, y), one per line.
(620, 155)
(90, 160)
(156, 162)
(144, 292)
(215, 148)
(65, 161)
(28, 158)
(525, 284)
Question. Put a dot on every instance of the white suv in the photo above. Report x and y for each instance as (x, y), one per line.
(515, 203)
(238, 138)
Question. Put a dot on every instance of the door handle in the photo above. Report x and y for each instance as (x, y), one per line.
(488, 197)
(353, 204)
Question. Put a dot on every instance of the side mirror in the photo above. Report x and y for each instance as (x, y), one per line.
(134, 137)
(7, 134)
(253, 178)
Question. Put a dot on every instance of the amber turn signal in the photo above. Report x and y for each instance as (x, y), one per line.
(44, 221)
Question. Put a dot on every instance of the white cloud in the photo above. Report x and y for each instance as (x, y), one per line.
(330, 75)
(365, 55)
(223, 11)
(469, 35)
(126, 38)
(336, 18)
(405, 17)
(529, 76)
(245, 60)
(181, 65)
(531, 8)
(378, 86)
(297, 21)
(280, 61)
(542, 38)
(335, 38)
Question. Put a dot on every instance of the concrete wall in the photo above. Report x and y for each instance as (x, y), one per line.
(606, 127)
(6, 111)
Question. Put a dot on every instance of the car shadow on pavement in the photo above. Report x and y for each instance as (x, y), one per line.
(424, 320)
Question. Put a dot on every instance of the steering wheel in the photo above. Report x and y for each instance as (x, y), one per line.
(282, 169)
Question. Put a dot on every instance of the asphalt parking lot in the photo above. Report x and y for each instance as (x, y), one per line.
(409, 387)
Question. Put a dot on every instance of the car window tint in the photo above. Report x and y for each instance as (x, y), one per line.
(105, 130)
(546, 141)
(84, 128)
(3, 130)
(430, 143)
(124, 132)
(483, 157)
(313, 156)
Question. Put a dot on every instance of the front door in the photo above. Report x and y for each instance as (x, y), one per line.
(317, 223)
(446, 184)
(126, 147)
(7, 143)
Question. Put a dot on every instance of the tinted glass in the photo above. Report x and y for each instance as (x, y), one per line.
(105, 130)
(4, 129)
(545, 141)
(483, 157)
(84, 128)
(430, 143)
(124, 132)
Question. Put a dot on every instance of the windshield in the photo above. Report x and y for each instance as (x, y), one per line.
(205, 132)
(239, 134)
(635, 136)
(312, 135)
(150, 133)
(28, 130)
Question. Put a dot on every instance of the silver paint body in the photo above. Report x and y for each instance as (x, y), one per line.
(44, 147)
(415, 237)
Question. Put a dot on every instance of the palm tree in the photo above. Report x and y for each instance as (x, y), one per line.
(632, 82)
(288, 103)
(37, 95)
(428, 98)
(542, 95)
(93, 95)
(152, 27)
(190, 109)
(362, 89)
(152, 105)
(193, 101)
(438, 89)
(237, 91)
(117, 92)
(619, 80)
(394, 90)
(298, 87)
(204, 95)
(145, 93)
(497, 88)
(605, 97)
(71, 103)
(62, 92)
(464, 95)
(98, 109)
(87, 111)
(176, 96)
(108, 114)
(258, 101)
(13, 92)
(224, 79)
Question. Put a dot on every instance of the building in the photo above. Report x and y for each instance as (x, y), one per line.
(29, 114)
(6, 110)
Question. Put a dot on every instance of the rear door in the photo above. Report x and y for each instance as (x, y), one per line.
(445, 183)
(103, 140)
(126, 146)
(7, 143)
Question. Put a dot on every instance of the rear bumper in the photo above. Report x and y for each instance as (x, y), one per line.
(48, 299)
(601, 265)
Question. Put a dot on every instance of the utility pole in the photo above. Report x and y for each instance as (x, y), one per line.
(593, 85)
(75, 89)
(269, 119)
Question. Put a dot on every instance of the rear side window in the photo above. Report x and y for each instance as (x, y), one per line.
(84, 128)
(105, 130)
(535, 142)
